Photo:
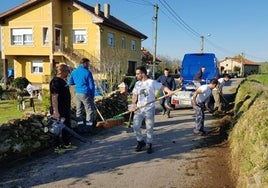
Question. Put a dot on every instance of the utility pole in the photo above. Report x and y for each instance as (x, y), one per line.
(202, 44)
(155, 37)
(242, 64)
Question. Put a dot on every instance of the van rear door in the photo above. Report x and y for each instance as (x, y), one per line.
(192, 63)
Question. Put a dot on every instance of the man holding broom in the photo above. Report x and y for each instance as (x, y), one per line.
(144, 92)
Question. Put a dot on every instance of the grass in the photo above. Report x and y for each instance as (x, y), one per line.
(9, 109)
(249, 136)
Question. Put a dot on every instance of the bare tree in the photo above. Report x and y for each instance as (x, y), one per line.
(114, 65)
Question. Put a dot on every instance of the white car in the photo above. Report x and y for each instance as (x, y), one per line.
(182, 99)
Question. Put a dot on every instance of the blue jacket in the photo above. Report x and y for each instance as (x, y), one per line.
(83, 80)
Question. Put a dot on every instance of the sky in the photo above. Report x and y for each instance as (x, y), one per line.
(229, 27)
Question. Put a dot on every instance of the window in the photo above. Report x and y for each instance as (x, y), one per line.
(133, 45)
(111, 40)
(124, 42)
(21, 36)
(37, 66)
(80, 36)
(45, 36)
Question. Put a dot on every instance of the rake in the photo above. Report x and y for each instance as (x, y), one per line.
(119, 119)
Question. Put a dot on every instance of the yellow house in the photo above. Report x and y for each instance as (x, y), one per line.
(39, 34)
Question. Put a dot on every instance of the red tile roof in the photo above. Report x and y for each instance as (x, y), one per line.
(148, 57)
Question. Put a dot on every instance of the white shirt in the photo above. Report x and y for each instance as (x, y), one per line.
(206, 92)
(221, 83)
(29, 89)
(146, 92)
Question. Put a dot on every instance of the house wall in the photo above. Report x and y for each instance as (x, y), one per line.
(63, 15)
(74, 18)
(229, 65)
(245, 69)
(22, 56)
(22, 67)
(130, 55)
(36, 18)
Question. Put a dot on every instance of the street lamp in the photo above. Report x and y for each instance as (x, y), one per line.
(202, 42)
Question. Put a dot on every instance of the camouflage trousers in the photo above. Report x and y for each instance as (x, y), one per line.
(148, 116)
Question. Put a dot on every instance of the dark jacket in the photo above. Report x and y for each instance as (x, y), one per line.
(198, 76)
(167, 81)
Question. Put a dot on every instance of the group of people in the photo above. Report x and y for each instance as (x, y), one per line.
(142, 94)
(202, 97)
(60, 94)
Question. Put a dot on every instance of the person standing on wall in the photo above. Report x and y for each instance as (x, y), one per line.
(200, 101)
(168, 81)
(198, 78)
(83, 80)
(144, 92)
(217, 92)
(60, 99)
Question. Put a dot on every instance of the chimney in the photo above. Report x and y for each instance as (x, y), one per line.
(97, 9)
(107, 10)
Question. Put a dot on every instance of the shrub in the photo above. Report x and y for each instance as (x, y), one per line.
(20, 83)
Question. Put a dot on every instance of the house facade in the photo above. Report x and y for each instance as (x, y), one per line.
(39, 34)
(238, 65)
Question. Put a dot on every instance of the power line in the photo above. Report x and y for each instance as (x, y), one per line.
(140, 3)
(183, 25)
(179, 19)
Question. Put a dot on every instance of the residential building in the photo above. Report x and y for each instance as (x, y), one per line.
(238, 65)
(148, 60)
(39, 34)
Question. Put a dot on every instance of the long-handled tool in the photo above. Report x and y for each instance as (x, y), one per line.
(119, 119)
(226, 102)
(100, 123)
(56, 128)
(142, 106)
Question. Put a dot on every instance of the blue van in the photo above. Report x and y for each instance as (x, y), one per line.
(191, 64)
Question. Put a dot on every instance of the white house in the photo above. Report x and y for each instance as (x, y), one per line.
(239, 65)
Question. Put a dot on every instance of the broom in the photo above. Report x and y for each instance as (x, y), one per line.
(109, 122)
(119, 119)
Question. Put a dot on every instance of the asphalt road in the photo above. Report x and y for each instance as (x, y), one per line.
(109, 159)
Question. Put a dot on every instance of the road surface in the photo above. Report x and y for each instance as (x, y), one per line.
(180, 159)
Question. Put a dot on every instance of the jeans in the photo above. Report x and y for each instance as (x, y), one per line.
(163, 101)
(86, 101)
(148, 115)
(199, 117)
